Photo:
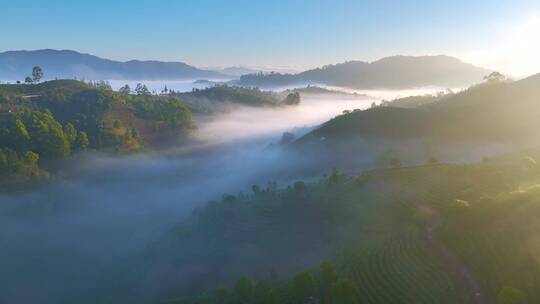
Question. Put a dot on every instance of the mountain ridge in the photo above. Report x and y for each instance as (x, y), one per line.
(15, 65)
(393, 72)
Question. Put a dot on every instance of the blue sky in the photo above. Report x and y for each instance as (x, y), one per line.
(268, 33)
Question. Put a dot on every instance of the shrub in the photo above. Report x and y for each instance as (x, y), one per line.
(511, 295)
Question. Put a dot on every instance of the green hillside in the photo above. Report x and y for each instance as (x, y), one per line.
(54, 119)
(495, 111)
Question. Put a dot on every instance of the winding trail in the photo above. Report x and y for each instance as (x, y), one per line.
(454, 264)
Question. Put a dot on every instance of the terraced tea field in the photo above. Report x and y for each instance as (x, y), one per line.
(394, 232)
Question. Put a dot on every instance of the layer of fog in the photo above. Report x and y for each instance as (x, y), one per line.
(249, 122)
(60, 241)
(187, 85)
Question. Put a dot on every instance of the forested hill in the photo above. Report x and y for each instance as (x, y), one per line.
(52, 120)
(220, 98)
(395, 72)
(495, 111)
(67, 64)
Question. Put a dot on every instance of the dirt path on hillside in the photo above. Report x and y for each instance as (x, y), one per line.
(454, 264)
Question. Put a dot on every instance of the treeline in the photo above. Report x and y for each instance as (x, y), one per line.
(214, 98)
(412, 102)
(268, 79)
(39, 132)
(321, 286)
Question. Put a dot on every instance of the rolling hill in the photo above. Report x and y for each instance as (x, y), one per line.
(395, 72)
(66, 64)
(502, 112)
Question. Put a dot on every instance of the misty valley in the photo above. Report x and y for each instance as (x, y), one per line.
(409, 179)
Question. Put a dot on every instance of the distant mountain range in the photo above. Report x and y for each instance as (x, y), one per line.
(16, 65)
(388, 73)
(397, 72)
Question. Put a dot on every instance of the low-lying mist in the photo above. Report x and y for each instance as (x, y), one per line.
(62, 238)
(265, 123)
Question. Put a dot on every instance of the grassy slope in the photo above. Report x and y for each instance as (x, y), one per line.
(469, 115)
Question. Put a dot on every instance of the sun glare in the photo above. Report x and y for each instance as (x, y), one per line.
(514, 49)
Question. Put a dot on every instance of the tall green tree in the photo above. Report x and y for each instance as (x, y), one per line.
(82, 141)
(125, 90)
(263, 293)
(48, 138)
(37, 74)
(141, 89)
(244, 290)
(292, 99)
(223, 295)
(328, 278)
(344, 291)
(71, 133)
(494, 77)
(22, 137)
(302, 287)
(31, 158)
(3, 161)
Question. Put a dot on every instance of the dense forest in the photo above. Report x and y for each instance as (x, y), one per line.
(40, 122)
(55, 119)
(220, 98)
